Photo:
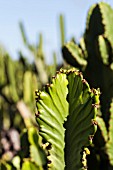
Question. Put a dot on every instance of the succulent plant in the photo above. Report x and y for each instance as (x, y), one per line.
(94, 57)
(66, 112)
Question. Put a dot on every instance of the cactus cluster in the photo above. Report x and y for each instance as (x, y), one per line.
(18, 81)
(68, 111)
(94, 57)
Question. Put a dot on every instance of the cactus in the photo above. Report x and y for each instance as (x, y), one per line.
(74, 55)
(19, 79)
(109, 143)
(66, 117)
(51, 69)
(2, 70)
(104, 142)
(33, 150)
(29, 85)
(96, 48)
(14, 89)
(32, 157)
(37, 52)
(100, 53)
(36, 153)
(14, 112)
(29, 165)
(62, 30)
(6, 166)
(67, 107)
(11, 79)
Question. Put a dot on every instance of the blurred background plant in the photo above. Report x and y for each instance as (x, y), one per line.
(20, 144)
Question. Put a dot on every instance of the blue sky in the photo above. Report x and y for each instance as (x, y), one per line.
(41, 16)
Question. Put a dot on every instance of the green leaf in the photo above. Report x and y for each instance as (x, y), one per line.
(66, 117)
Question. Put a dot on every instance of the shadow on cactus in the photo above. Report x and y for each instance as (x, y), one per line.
(66, 115)
(94, 57)
(94, 54)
